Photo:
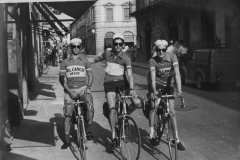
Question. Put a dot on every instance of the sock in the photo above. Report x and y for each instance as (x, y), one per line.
(151, 132)
(113, 135)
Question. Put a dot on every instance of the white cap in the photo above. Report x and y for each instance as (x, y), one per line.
(161, 42)
(118, 36)
(76, 40)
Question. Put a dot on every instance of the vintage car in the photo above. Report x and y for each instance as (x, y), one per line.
(216, 66)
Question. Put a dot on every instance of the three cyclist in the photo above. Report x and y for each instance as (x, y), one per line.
(164, 69)
(118, 75)
(76, 78)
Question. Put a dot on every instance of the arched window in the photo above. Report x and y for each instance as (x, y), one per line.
(108, 39)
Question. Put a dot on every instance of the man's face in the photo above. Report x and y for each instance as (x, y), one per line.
(75, 47)
(161, 50)
(118, 45)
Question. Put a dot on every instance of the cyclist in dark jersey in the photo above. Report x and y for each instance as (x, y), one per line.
(117, 64)
(164, 69)
(77, 71)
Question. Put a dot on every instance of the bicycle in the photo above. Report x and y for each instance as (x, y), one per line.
(164, 125)
(128, 134)
(78, 120)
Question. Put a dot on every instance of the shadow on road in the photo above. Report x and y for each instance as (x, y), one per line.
(43, 89)
(103, 136)
(151, 150)
(35, 131)
(14, 156)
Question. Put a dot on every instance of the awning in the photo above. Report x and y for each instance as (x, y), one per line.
(73, 8)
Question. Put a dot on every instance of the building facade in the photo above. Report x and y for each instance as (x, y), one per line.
(200, 24)
(105, 18)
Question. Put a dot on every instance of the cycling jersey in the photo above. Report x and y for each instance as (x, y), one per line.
(164, 69)
(75, 71)
(115, 65)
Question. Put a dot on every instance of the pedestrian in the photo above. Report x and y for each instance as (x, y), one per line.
(182, 52)
(134, 53)
(54, 56)
(77, 71)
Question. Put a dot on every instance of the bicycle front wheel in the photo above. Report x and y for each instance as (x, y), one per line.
(81, 140)
(130, 139)
(171, 138)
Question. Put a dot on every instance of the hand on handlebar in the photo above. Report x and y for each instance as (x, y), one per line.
(179, 93)
(133, 93)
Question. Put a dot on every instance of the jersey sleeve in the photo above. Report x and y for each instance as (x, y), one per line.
(62, 71)
(174, 59)
(128, 62)
(152, 64)
(88, 65)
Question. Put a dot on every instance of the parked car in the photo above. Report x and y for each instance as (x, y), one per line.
(211, 66)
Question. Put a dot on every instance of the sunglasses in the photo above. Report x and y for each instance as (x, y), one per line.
(73, 46)
(118, 44)
(159, 50)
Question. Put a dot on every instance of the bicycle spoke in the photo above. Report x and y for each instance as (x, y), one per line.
(130, 141)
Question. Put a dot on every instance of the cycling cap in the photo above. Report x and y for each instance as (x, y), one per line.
(75, 40)
(118, 36)
(161, 42)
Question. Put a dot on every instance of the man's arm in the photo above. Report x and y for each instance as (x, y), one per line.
(153, 80)
(178, 79)
(130, 78)
(90, 78)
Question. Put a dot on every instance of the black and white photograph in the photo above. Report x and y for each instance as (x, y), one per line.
(119, 80)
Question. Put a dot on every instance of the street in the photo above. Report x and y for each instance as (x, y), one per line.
(208, 126)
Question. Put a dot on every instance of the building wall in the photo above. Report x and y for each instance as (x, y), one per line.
(96, 25)
(223, 17)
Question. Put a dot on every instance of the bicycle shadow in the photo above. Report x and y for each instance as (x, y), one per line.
(155, 152)
(103, 136)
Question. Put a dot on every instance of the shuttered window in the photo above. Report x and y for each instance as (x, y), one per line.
(126, 14)
(109, 14)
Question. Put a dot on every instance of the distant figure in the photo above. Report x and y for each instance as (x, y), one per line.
(182, 52)
(125, 49)
(54, 56)
(60, 55)
(134, 53)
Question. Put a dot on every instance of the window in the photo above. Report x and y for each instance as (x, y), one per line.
(109, 14)
(126, 14)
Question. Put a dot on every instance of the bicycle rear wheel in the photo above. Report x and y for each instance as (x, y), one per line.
(130, 140)
(171, 139)
(81, 140)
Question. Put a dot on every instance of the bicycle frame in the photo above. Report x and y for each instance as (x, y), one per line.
(121, 98)
(78, 109)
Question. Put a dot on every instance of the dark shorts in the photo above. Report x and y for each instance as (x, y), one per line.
(165, 90)
(112, 86)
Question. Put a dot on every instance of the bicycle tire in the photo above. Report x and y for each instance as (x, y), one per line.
(130, 145)
(171, 139)
(80, 140)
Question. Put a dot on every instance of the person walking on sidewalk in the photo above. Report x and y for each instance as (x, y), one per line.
(77, 71)
(117, 70)
(164, 69)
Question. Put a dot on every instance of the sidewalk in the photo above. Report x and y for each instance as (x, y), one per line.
(34, 138)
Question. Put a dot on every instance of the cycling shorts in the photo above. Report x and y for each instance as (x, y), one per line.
(112, 86)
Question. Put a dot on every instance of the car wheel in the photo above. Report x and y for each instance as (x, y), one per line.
(200, 83)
